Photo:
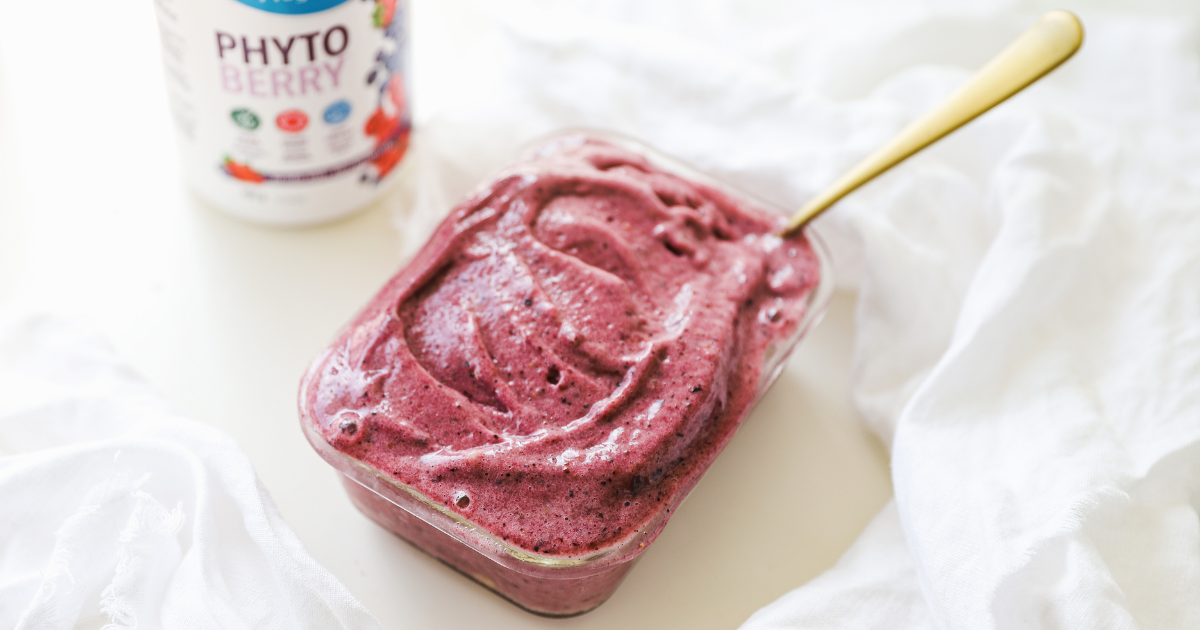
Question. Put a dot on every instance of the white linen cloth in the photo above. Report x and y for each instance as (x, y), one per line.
(1028, 340)
(114, 513)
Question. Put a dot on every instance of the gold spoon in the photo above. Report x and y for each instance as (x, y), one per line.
(1034, 54)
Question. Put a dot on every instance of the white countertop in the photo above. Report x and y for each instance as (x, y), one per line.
(223, 317)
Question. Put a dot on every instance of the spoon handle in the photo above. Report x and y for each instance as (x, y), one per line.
(1035, 53)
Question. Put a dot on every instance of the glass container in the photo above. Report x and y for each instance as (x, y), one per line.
(548, 584)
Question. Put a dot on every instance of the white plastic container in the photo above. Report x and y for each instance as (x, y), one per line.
(289, 112)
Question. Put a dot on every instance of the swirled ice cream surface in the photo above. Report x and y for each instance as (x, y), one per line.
(570, 350)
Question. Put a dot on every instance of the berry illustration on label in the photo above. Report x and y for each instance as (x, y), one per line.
(385, 13)
(292, 120)
(241, 171)
(388, 124)
(389, 130)
(245, 119)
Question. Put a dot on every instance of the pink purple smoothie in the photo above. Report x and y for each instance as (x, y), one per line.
(569, 351)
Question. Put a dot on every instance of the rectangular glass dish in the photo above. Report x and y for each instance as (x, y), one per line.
(533, 396)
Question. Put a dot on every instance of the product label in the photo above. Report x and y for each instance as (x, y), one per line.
(275, 95)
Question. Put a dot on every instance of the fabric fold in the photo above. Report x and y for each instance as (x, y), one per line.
(119, 514)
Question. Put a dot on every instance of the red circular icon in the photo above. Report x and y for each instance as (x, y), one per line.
(292, 120)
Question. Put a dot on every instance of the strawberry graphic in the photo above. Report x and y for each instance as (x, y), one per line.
(381, 125)
(387, 160)
(385, 11)
(241, 171)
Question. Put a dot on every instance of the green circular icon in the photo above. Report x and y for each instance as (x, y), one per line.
(245, 118)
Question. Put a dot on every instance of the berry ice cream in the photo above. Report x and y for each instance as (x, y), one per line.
(570, 350)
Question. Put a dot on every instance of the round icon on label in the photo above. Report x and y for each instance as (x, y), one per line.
(292, 120)
(337, 112)
(244, 118)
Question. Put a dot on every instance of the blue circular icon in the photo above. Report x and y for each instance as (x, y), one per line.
(337, 112)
